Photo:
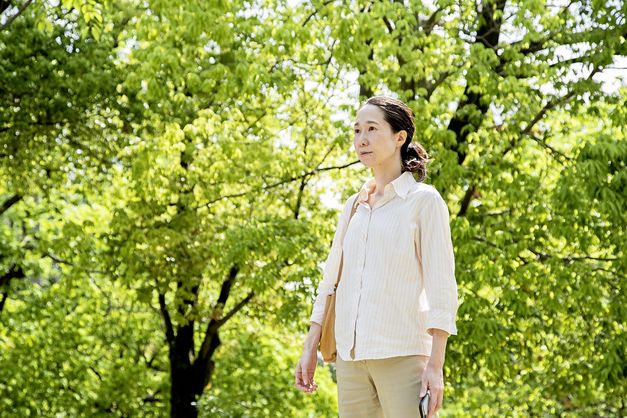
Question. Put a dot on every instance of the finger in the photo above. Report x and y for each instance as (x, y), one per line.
(310, 373)
(433, 403)
(424, 386)
(300, 384)
(440, 400)
(433, 407)
(308, 388)
(306, 377)
(302, 387)
(435, 399)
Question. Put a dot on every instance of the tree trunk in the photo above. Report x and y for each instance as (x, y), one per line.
(191, 372)
(186, 383)
(184, 393)
(188, 379)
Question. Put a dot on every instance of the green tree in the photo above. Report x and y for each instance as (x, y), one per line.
(215, 213)
(162, 170)
(529, 151)
(255, 377)
(81, 347)
(55, 131)
(64, 348)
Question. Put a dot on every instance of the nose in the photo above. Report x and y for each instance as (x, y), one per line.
(360, 138)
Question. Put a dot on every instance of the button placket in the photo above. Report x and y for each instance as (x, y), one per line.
(361, 276)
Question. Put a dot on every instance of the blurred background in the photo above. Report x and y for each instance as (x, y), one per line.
(172, 172)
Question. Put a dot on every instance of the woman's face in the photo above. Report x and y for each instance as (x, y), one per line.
(375, 142)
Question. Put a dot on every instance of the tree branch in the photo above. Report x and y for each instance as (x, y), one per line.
(463, 123)
(169, 330)
(5, 295)
(490, 214)
(431, 22)
(466, 200)
(19, 12)
(277, 184)
(6, 205)
(98, 375)
(299, 198)
(366, 91)
(556, 153)
(431, 86)
(547, 107)
(211, 335)
(212, 326)
(327, 63)
(569, 259)
(388, 24)
(225, 290)
(543, 256)
(234, 310)
(69, 263)
(15, 272)
(4, 4)
(152, 398)
(326, 3)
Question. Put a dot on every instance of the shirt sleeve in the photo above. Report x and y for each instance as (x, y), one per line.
(438, 263)
(332, 265)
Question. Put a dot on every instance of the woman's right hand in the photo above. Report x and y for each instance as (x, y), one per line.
(305, 370)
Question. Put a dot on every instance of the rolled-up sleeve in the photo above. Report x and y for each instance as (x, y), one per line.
(438, 263)
(332, 264)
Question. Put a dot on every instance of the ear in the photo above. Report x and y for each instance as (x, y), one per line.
(402, 136)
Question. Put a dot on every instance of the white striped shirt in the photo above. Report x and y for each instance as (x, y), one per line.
(398, 277)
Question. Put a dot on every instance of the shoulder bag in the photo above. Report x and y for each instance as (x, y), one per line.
(327, 339)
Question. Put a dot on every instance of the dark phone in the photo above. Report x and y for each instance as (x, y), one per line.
(424, 406)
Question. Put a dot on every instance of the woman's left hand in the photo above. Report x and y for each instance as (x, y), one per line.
(433, 379)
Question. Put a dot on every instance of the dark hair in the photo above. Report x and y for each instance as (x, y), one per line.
(414, 157)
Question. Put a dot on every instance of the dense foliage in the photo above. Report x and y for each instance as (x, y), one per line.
(171, 175)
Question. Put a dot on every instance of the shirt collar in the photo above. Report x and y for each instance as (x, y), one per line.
(401, 186)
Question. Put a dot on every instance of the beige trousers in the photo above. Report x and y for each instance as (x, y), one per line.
(380, 388)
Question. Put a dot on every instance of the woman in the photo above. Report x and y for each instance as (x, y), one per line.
(397, 299)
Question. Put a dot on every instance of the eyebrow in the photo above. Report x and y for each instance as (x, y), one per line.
(367, 122)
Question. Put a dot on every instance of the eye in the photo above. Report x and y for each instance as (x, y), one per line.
(372, 128)
(356, 131)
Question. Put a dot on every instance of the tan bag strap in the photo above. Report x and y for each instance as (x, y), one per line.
(339, 272)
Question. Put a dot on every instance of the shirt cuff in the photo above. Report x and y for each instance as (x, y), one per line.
(441, 319)
(317, 314)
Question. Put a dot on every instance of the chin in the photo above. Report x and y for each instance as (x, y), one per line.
(365, 161)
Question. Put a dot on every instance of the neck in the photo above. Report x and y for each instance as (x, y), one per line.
(383, 177)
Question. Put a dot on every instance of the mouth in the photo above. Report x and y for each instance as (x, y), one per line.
(365, 153)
